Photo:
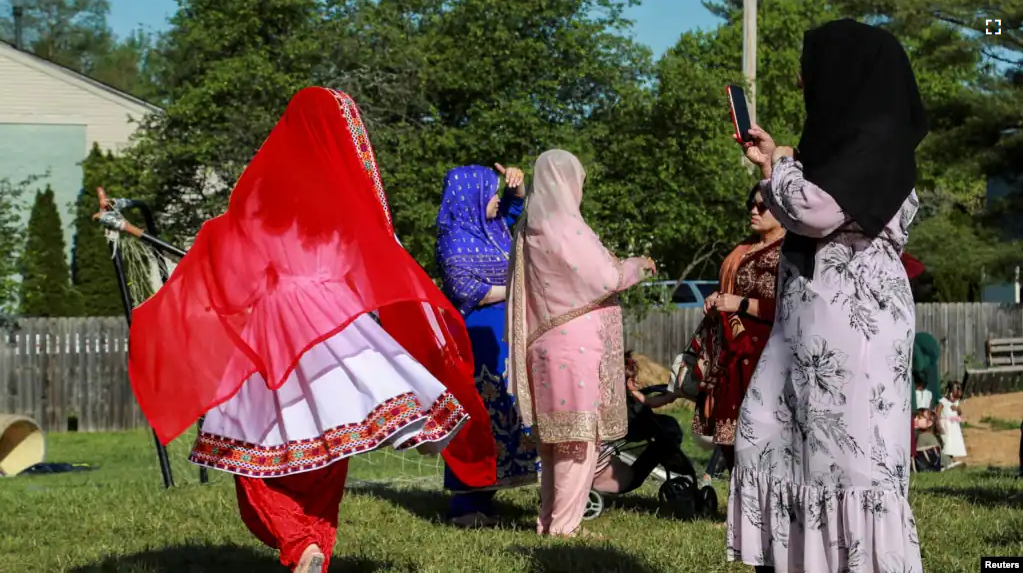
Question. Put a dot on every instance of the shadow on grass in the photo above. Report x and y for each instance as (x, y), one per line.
(981, 496)
(576, 558)
(995, 472)
(639, 503)
(1007, 537)
(202, 558)
(432, 506)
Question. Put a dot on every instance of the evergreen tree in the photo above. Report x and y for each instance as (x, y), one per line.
(91, 271)
(45, 286)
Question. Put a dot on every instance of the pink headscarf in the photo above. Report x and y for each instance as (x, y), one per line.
(559, 268)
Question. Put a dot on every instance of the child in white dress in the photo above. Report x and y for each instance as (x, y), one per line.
(950, 416)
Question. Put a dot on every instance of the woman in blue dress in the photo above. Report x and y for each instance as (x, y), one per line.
(473, 246)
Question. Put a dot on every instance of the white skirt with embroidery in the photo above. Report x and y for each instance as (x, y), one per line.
(356, 391)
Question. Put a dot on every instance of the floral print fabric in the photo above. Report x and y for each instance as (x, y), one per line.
(822, 452)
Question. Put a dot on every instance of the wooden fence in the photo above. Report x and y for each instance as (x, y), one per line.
(73, 371)
(69, 372)
(962, 328)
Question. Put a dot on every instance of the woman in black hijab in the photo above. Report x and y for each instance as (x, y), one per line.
(822, 455)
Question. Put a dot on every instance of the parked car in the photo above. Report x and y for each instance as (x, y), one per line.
(687, 294)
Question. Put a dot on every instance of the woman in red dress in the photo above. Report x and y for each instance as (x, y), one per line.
(739, 319)
(306, 334)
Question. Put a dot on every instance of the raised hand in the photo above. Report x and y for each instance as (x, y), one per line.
(513, 177)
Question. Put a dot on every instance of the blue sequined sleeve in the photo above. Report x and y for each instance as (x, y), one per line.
(511, 207)
(463, 289)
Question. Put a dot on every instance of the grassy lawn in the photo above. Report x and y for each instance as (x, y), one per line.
(118, 518)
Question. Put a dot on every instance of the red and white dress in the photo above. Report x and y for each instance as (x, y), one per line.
(305, 333)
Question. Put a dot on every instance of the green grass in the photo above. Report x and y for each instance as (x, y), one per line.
(1000, 424)
(118, 518)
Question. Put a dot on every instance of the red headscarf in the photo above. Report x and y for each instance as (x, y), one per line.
(914, 267)
(306, 246)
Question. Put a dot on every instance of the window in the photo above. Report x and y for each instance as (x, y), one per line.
(683, 294)
(707, 289)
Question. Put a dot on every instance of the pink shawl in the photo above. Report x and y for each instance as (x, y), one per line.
(559, 268)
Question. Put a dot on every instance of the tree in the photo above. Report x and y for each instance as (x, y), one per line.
(477, 81)
(226, 69)
(91, 270)
(12, 241)
(436, 92)
(45, 285)
(67, 32)
(127, 65)
(75, 34)
(671, 179)
(960, 252)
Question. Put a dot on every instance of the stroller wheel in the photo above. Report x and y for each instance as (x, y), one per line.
(594, 506)
(707, 500)
(678, 494)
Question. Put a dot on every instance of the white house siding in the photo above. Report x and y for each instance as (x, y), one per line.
(49, 119)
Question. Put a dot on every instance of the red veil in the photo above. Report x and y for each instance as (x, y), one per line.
(306, 246)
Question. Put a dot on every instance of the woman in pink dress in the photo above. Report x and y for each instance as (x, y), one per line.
(564, 331)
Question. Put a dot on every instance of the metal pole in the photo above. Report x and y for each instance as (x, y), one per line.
(156, 245)
(122, 283)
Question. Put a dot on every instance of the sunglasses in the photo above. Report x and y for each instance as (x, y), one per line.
(760, 206)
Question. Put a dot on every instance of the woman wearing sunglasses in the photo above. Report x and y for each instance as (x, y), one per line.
(730, 344)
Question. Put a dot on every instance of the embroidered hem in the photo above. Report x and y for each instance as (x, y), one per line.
(613, 411)
(560, 427)
(440, 421)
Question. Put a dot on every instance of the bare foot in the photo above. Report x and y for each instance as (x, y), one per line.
(312, 560)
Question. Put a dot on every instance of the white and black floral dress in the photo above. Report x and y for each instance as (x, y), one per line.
(822, 451)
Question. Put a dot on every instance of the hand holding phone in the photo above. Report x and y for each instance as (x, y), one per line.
(761, 148)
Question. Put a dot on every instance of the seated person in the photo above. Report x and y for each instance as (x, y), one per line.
(927, 457)
(663, 433)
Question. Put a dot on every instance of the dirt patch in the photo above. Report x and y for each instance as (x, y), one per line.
(650, 372)
(989, 443)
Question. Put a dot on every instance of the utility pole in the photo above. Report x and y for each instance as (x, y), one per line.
(749, 64)
(749, 53)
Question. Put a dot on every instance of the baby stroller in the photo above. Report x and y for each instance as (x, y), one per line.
(652, 448)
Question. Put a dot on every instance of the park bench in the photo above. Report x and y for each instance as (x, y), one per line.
(1004, 370)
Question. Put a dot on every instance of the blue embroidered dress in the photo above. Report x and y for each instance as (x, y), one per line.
(472, 253)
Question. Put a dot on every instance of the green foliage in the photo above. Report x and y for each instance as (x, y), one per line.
(12, 241)
(45, 286)
(227, 70)
(447, 82)
(92, 272)
(958, 251)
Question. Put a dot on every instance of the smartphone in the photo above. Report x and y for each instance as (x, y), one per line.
(740, 112)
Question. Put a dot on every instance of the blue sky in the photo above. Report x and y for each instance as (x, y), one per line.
(657, 23)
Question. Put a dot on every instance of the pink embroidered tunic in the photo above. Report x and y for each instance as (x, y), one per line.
(565, 325)
(577, 373)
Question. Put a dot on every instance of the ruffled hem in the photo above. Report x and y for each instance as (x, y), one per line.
(819, 529)
(401, 422)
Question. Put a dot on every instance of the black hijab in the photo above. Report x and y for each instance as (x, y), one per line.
(864, 120)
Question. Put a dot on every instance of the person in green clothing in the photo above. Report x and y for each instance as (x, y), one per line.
(926, 371)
